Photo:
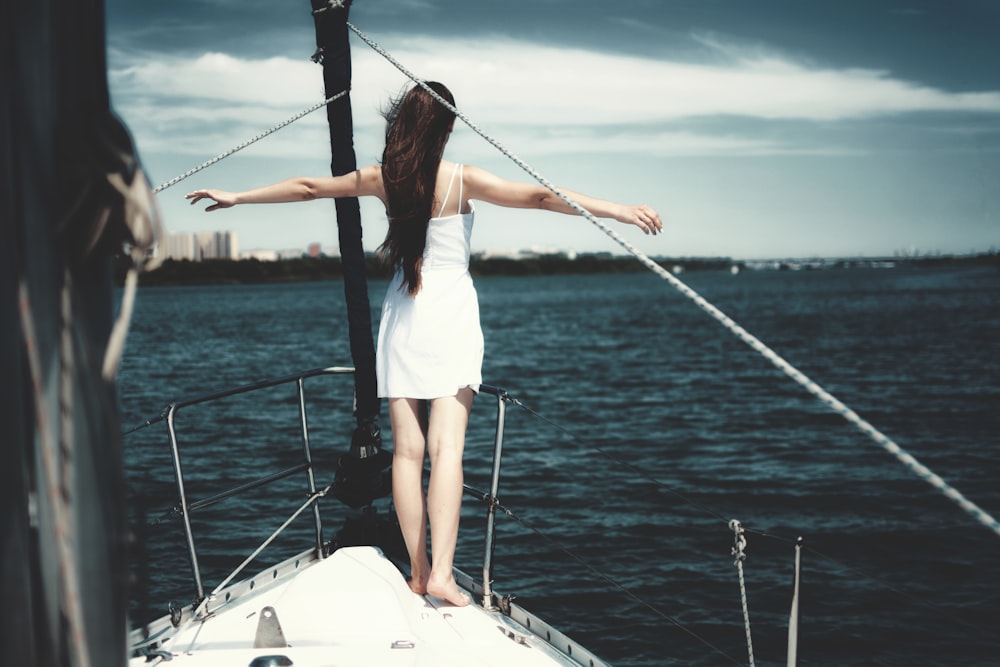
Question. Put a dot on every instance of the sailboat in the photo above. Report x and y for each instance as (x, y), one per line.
(318, 606)
(68, 539)
(344, 600)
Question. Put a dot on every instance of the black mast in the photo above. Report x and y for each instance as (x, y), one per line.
(360, 477)
(334, 53)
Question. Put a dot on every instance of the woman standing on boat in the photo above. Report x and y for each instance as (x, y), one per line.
(430, 345)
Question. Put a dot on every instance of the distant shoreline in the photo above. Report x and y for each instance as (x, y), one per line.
(303, 269)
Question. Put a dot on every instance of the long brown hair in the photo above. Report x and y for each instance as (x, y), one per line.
(417, 129)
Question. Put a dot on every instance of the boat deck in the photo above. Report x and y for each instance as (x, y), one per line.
(352, 608)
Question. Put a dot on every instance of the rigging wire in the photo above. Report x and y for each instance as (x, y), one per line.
(904, 457)
(252, 140)
(813, 388)
(756, 344)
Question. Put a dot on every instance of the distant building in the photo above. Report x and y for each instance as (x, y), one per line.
(177, 246)
(260, 255)
(204, 245)
(229, 245)
(199, 246)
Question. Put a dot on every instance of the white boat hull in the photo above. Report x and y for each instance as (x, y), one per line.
(353, 608)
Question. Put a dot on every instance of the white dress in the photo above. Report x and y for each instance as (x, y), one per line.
(430, 344)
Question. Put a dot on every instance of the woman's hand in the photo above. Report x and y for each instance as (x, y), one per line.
(642, 217)
(221, 198)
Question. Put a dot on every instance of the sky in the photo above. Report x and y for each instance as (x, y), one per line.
(758, 128)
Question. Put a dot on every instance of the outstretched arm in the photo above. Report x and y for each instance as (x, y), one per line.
(362, 182)
(484, 186)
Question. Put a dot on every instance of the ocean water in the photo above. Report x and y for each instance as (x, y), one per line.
(650, 427)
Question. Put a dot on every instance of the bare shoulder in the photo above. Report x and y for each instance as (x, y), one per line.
(370, 181)
(474, 173)
(479, 180)
(486, 186)
(370, 174)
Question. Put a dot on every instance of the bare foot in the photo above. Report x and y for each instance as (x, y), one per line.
(448, 591)
(417, 586)
(418, 579)
(419, 574)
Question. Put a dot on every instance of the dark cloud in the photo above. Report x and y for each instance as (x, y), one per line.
(954, 46)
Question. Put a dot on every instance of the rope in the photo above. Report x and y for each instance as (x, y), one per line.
(739, 552)
(248, 142)
(756, 344)
(116, 341)
(54, 452)
(813, 388)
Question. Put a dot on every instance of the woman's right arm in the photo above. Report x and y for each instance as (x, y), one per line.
(366, 181)
(485, 186)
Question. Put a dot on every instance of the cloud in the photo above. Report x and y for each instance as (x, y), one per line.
(628, 142)
(218, 77)
(559, 98)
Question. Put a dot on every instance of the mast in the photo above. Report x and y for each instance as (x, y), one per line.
(334, 53)
(361, 476)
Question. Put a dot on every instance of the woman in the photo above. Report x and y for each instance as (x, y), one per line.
(430, 345)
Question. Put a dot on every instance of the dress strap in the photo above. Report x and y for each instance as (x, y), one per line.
(447, 194)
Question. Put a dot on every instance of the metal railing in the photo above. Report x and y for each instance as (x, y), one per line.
(492, 499)
(187, 506)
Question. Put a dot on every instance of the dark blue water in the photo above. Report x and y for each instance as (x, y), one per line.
(675, 427)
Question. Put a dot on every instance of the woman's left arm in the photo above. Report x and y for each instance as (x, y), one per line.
(488, 187)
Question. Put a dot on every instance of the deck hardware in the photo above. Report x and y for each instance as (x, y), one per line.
(793, 616)
(175, 613)
(515, 637)
(271, 661)
(502, 398)
(269, 632)
(403, 643)
(152, 654)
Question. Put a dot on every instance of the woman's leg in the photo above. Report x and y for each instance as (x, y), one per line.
(408, 424)
(449, 417)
